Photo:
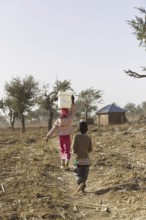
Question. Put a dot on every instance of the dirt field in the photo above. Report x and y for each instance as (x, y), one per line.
(33, 187)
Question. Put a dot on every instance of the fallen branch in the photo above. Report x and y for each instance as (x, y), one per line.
(62, 189)
(143, 165)
(3, 189)
(89, 205)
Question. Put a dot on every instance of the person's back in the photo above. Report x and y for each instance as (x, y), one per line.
(63, 126)
(82, 146)
(64, 123)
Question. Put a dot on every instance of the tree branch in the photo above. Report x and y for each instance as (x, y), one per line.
(134, 74)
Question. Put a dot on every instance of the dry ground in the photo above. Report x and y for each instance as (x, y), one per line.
(32, 186)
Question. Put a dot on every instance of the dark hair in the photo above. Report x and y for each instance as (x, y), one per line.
(83, 127)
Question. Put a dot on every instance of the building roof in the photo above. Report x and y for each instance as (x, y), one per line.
(110, 108)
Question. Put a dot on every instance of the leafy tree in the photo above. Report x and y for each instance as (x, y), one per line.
(144, 107)
(3, 121)
(88, 99)
(12, 111)
(7, 105)
(38, 114)
(48, 99)
(133, 110)
(130, 107)
(1, 104)
(62, 86)
(139, 26)
(22, 93)
(139, 110)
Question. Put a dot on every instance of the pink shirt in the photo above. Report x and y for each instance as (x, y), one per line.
(63, 125)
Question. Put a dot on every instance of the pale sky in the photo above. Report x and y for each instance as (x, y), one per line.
(87, 42)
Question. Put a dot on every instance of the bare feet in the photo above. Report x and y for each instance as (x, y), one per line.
(81, 186)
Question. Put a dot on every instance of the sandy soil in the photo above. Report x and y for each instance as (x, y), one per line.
(33, 187)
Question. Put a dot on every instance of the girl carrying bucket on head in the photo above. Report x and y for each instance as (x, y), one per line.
(63, 126)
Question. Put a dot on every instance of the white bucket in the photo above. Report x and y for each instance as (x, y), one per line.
(64, 99)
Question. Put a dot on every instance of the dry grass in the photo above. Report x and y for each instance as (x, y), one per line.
(33, 187)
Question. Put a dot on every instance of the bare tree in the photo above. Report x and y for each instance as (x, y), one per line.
(139, 26)
(134, 74)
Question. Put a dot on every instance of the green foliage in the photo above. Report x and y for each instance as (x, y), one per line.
(130, 107)
(7, 105)
(139, 26)
(47, 99)
(62, 86)
(22, 93)
(21, 96)
(143, 106)
(2, 104)
(133, 110)
(38, 113)
(3, 121)
(88, 99)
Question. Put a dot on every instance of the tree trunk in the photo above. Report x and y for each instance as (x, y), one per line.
(23, 123)
(86, 114)
(50, 121)
(12, 125)
(12, 119)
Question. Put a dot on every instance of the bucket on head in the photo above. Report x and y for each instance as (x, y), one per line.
(64, 99)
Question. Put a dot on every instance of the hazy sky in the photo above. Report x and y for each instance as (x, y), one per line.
(87, 42)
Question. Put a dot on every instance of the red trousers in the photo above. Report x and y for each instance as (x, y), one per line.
(65, 143)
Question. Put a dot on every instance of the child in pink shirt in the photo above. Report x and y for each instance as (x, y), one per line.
(63, 126)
